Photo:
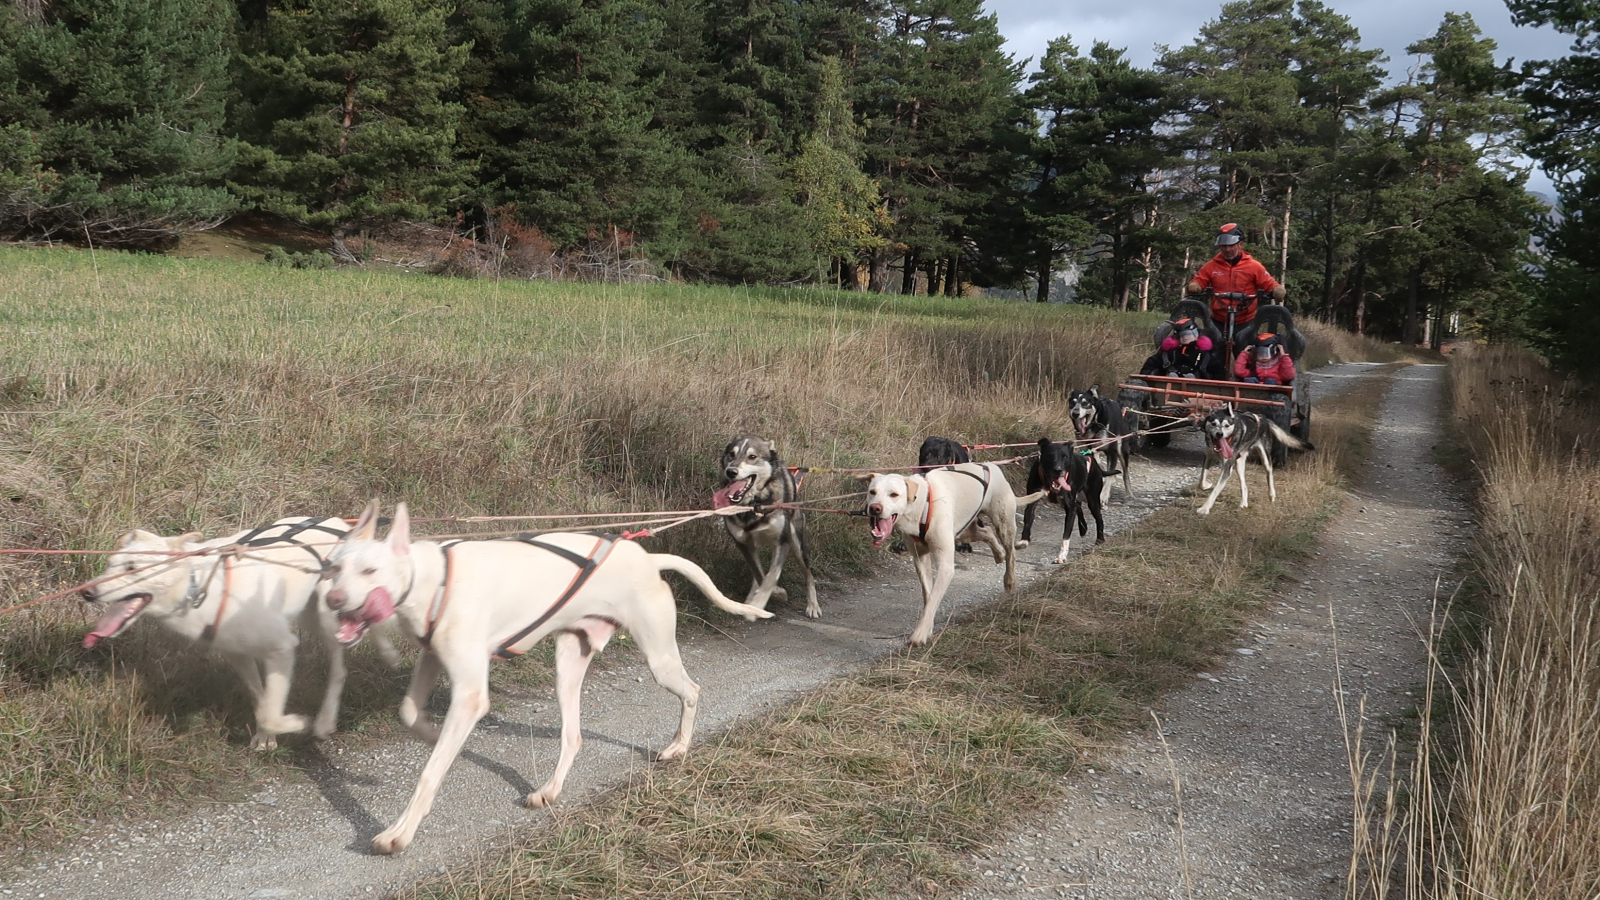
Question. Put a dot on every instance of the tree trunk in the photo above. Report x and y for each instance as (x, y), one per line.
(952, 278)
(1119, 273)
(1361, 291)
(1327, 264)
(878, 271)
(1283, 256)
(1042, 292)
(935, 272)
(1144, 283)
(908, 273)
(1408, 333)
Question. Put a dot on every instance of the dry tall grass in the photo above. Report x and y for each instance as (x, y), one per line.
(1503, 797)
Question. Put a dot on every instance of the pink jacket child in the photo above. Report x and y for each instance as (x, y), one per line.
(1265, 363)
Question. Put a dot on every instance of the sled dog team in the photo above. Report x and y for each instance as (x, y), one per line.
(465, 602)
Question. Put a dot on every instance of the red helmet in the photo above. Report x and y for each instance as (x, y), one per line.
(1229, 234)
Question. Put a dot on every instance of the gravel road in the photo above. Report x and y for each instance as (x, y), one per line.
(1256, 743)
(1257, 734)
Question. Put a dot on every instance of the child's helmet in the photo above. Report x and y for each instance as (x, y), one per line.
(1187, 331)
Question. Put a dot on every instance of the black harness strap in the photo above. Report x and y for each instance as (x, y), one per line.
(586, 566)
(436, 609)
(253, 538)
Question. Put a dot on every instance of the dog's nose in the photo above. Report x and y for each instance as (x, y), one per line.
(731, 473)
(337, 598)
(87, 594)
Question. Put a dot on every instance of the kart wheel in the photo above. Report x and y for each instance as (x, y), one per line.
(1302, 428)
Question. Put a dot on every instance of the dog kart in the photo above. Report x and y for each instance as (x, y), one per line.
(1162, 400)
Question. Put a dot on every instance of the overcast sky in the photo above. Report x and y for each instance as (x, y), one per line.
(1140, 25)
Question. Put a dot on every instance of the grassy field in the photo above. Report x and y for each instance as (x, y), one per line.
(1501, 795)
(179, 394)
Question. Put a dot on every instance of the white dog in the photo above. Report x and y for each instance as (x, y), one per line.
(966, 502)
(243, 603)
(464, 601)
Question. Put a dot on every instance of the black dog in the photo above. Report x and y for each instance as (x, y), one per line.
(1073, 479)
(1107, 427)
(938, 451)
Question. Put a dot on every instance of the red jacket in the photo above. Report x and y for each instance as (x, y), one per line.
(1281, 368)
(1245, 276)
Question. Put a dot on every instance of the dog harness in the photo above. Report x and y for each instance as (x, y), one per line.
(927, 512)
(586, 566)
(252, 539)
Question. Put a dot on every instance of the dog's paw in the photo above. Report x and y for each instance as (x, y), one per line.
(1022, 544)
(541, 798)
(390, 841)
(1204, 510)
(1060, 560)
(673, 750)
(264, 742)
(813, 610)
(322, 730)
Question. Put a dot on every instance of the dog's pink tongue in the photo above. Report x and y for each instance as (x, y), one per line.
(724, 497)
(112, 621)
(1062, 484)
(1224, 448)
(881, 529)
(1082, 425)
(379, 606)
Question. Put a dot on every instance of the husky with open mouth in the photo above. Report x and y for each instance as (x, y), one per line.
(1108, 428)
(1230, 437)
(968, 502)
(1071, 480)
(245, 605)
(752, 475)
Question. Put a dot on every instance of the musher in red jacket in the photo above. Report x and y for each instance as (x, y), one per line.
(1234, 271)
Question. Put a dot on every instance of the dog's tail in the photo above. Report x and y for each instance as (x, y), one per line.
(1285, 437)
(1032, 498)
(697, 576)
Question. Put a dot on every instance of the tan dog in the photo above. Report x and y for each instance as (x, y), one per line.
(970, 502)
(464, 601)
(244, 605)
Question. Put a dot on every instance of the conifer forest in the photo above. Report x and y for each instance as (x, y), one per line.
(876, 145)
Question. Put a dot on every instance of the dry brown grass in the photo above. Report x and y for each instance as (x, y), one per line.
(880, 784)
(1503, 796)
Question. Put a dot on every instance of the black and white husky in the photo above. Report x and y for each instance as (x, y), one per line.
(1230, 437)
(752, 475)
(1107, 427)
(1071, 480)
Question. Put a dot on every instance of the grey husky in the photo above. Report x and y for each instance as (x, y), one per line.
(752, 475)
(1230, 437)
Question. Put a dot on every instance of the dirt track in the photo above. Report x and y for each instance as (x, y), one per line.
(307, 837)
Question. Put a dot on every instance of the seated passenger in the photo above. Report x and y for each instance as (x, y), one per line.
(1185, 353)
(1264, 363)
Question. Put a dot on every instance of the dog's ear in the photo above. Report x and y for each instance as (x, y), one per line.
(772, 451)
(187, 537)
(139, 534)
(1094, 390)
(866, 477)
(366, 526)
(912, 487)
(400, 531)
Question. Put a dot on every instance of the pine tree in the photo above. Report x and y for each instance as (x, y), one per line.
(348, 113)
(840, 205)
(111, 118)
(559, 117)
(944, 115)
(1093, 164)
